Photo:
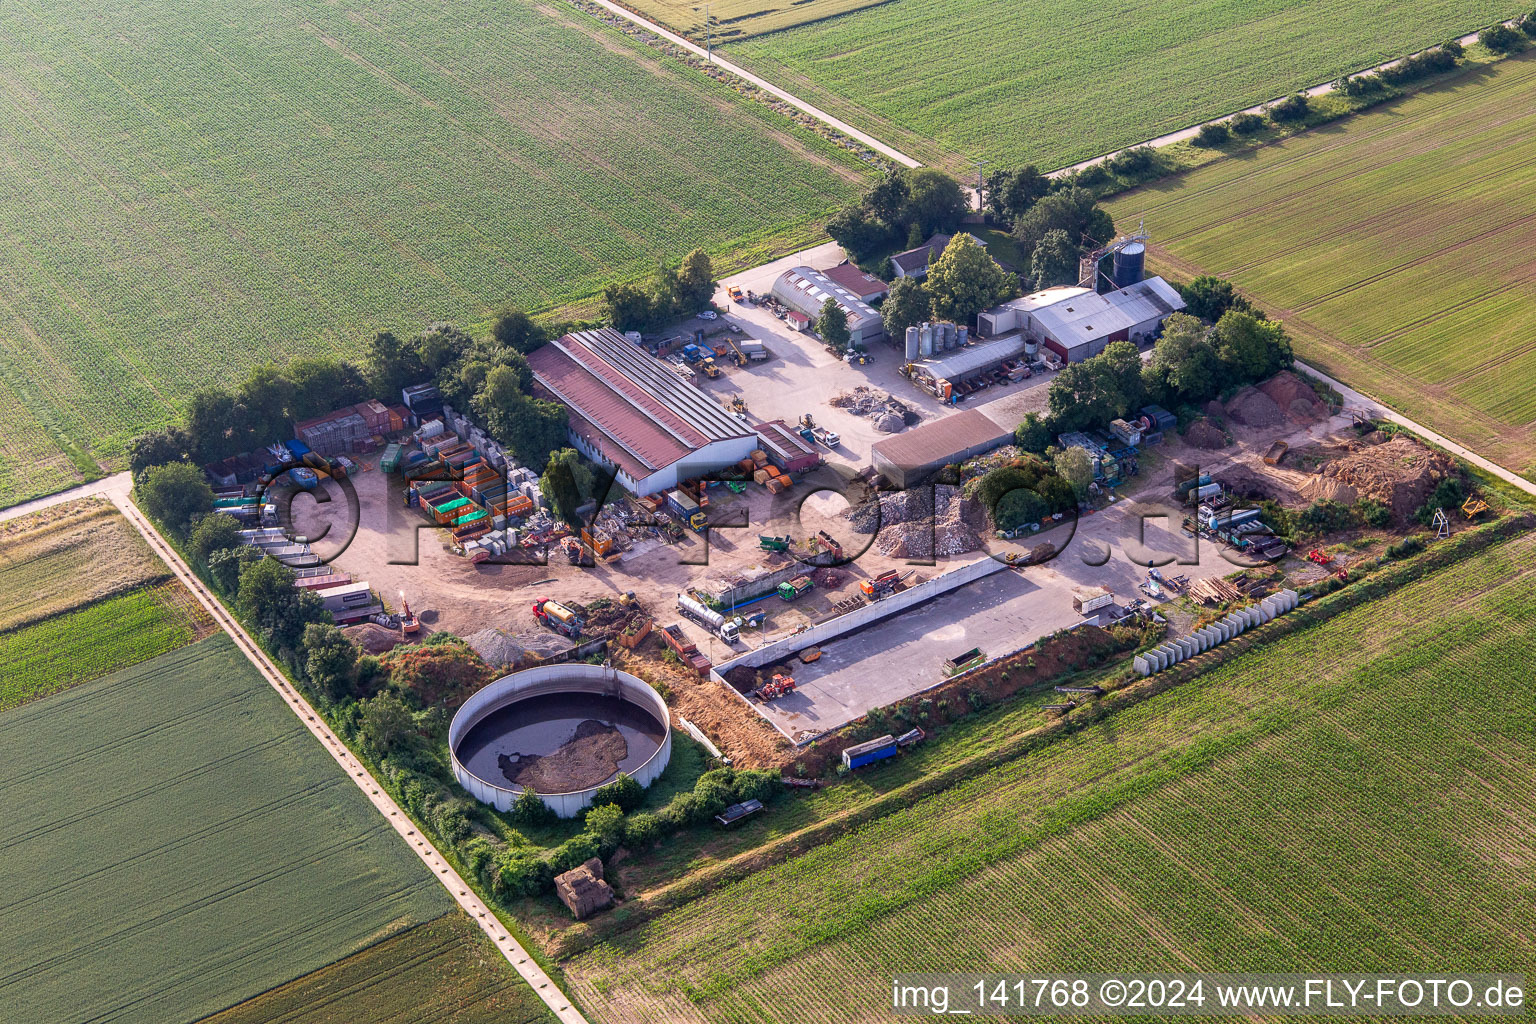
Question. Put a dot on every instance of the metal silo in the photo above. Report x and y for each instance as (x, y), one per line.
(949, 336)
(962, 336)
(1130, 264)
(925, 340)
(912, 343)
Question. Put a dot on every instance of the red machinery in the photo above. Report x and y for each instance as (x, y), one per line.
(409, 623)
(778, 686)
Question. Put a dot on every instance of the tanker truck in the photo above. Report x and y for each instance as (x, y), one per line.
(713, 621)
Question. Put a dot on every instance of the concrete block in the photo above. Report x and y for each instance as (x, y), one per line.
(1187, 646)
(1171, 653)
(1142, 665)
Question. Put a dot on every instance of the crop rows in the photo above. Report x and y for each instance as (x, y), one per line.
(1225, 825)
(1397, 248)
(176, 843)
(443, 972)
(71, 648)
(69, 555)
(188, 191)
(1052, 83)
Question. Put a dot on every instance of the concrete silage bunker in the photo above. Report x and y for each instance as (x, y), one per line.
(564, 731)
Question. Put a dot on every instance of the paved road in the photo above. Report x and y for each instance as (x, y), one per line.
(768, 87)
(117, 489)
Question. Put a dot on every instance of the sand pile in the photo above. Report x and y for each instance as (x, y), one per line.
(374, 638)
(1205, 434)
(1253, 408)
(497, 647)
(1295, 397)
(588, 758)
(1400, 474)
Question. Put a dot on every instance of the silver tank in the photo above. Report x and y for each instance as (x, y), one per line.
(925, 340)
(912, 343)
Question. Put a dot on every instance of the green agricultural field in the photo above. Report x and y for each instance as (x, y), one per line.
(68, 555)
(737, 19)
(1353, 794)
(952, 81)
(175, 843)
(188, 189)
(442, 972)
(76, 646)
(1394, 245)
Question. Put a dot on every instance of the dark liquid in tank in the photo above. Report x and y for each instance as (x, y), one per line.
(543, 726)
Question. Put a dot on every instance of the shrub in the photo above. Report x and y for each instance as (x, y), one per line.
(606, 822)
(1135, 161)
(680, 812)
(1454, 47)
(623, 791)
(576, 850)
(1405, 547)
(1325, 517)
(476, 854)
(1292, 108)
(757, 784)
(1373, 512)
(1527, 25)
(643, 830)
(1020, 507)
(529, 810)
(1093, 175)
(1247, 124)
(1499, 38)
(1213, 134)
(521, 875)
(1448, 494)
(714, 791)
(451, 822)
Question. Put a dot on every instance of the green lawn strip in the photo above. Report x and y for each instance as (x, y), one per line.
(68, 649)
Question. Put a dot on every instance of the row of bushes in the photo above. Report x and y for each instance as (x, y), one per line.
(611, 823)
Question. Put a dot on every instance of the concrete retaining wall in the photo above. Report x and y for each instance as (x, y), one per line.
(1216, 633)
(545, 679)
(861, 617)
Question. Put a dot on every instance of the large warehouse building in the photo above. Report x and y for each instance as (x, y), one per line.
(631, 412)
(1076, 323)
(805, 291)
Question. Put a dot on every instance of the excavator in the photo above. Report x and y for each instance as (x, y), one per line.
(409, 623)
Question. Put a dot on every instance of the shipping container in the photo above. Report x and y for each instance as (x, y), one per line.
(861, 754)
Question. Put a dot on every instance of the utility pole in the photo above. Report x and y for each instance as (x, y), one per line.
(981, 203)
(709, 35)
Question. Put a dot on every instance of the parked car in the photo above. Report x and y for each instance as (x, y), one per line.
(709, 314)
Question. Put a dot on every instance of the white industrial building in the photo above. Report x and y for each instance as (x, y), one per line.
(806, 290)
(1077, 323)
(633, 414)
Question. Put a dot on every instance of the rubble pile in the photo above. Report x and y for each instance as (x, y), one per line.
(890, 414)
(922, 523)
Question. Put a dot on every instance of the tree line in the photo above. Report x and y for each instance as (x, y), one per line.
(668, 294)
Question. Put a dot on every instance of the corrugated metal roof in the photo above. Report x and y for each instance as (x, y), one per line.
(846, 275)
(941, 439)
(1089, 315)
(807, 290)
(636, 401)
(961, 361)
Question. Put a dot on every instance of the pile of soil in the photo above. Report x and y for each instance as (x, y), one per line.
(373, 638)
(1245, 483)
(1253, 408)
(1204, 434)
(543, 643)
(1295, 397)
(890, 423)
(739, 732)
(499, 648)
(586, 759)
(1400, 474)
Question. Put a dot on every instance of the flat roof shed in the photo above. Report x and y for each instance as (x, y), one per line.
(911, 457)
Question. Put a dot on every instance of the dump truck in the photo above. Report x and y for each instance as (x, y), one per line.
(725, 629)
(830, 438)
(686, 509)
(686, 650)
(795, 587)
(557, 617)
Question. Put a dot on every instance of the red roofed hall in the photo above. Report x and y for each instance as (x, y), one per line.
(631, 412)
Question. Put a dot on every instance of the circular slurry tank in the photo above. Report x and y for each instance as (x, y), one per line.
(564, 731)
